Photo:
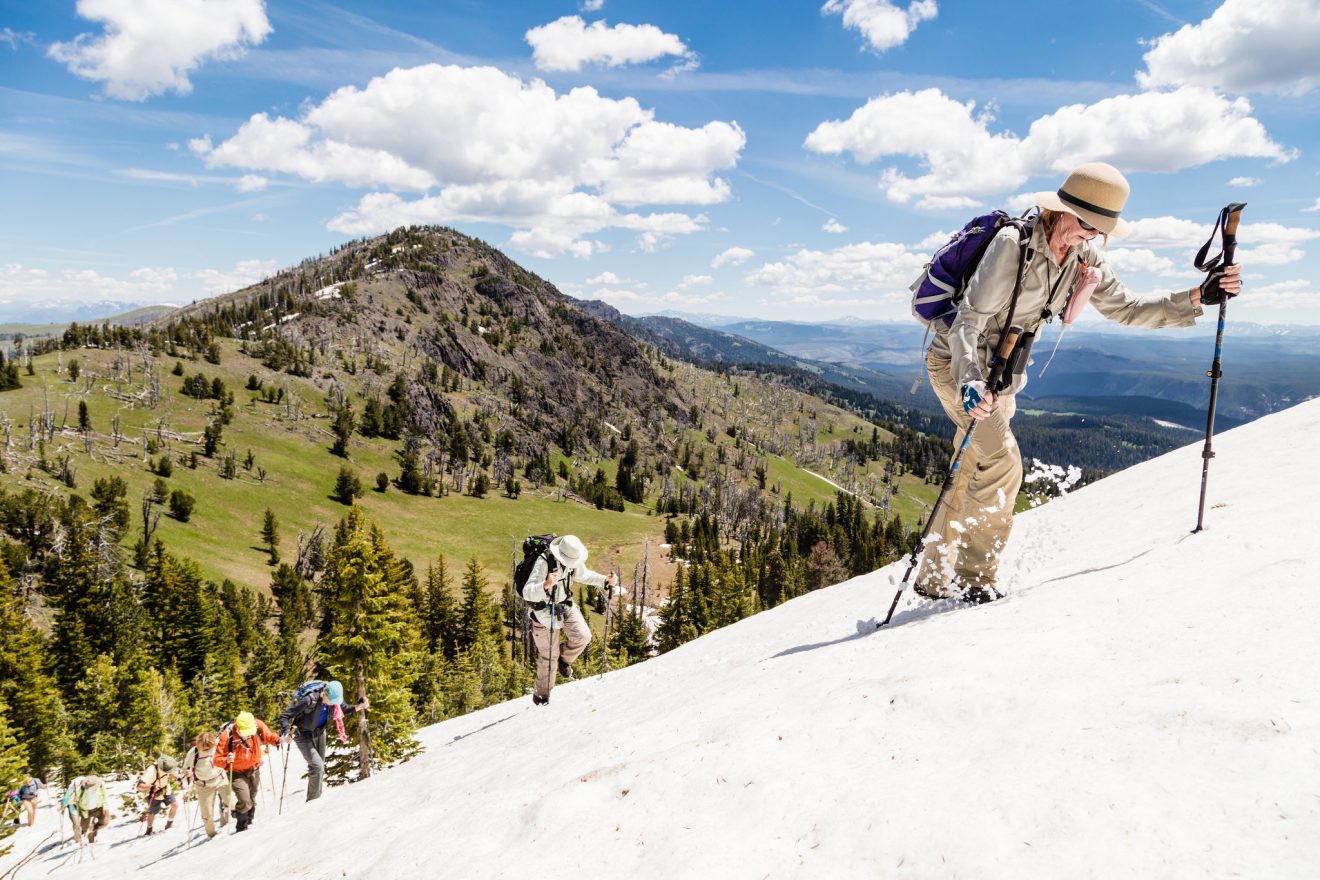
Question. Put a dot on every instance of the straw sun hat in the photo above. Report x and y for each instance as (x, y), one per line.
(1095, 192)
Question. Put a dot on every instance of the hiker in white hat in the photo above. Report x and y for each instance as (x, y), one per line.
(549, 595)
(1062, 253)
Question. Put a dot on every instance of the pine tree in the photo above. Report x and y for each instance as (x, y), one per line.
(438, 611)
(35, 707)
(295, 599)
(371, 642)
(476, 614)
(13, 773)
(270, 536)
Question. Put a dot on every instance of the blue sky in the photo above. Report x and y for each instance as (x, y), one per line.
(796, 161)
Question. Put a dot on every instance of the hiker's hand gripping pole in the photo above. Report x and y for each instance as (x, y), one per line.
(1211, 293)
(995, 382)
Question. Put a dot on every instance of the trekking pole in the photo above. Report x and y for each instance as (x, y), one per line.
(1210, 294)
(284, 758)
(998, 367)
(605, 639)
(551, 644)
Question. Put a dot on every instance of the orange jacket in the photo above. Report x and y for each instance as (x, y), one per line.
(245, 753)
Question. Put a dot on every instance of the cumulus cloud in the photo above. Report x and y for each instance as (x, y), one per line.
(866, 267)
(832, 225)
(568, 43)
(1315, 207)
(734, 256)
(965, 160)
(251, 183)
(592, 5)
(1245, 46)
(243, 274)
(695, 281)
(608, 278)
(1268, 244)
(149, 47)
(883, 24)
(1125, 260)
(149, 283)
(1245, 181)
(555, 167)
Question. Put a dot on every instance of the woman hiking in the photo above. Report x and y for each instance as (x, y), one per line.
(1065, 244)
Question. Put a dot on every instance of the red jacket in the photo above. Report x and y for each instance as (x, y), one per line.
(246, 753)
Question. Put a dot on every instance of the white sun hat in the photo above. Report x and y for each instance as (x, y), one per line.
(570, 551)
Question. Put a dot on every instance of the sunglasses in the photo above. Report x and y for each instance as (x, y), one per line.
(1086, 227)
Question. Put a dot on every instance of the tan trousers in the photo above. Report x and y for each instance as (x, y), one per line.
(971, 528)
(206, 802)
(577, 635)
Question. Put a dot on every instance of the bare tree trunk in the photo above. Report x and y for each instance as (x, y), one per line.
(364, 738)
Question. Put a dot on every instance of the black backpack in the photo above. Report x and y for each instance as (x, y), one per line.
(534, 548)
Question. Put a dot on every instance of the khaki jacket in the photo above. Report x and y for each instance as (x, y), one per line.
(204, 771)
(535, 594)
(983, 312)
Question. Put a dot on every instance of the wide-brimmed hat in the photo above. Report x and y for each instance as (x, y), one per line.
(1096, 192)
(570, 551)
(245, 723)
(166, 764)
(91, 781)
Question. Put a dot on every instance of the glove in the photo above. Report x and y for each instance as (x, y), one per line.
(1212, 294)
(973, 393)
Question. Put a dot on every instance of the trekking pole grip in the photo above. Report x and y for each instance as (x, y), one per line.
(1003, 356)
(1233, 214)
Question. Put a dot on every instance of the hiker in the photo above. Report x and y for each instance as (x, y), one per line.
(27, 798)
(209, 782)
(85, 801)
(158, 782)
(238, 752)
(549, 595)
(972, 527)
(314, 705)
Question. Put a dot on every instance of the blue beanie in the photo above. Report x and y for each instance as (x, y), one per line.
(334, 692)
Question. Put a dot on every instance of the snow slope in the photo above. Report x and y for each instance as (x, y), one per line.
(1143, 704)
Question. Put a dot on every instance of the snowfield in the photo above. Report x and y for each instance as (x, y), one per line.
(1142, 704)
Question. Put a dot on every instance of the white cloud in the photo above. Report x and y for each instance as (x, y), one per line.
(695, 281)
(618, 296)
(1166, 232)
(13, 38)
(1245, 181)
(883, 24)
(734, 256)
(149, 283)
(833, 225)
(1125, 260)
(1270, 244)
(965, 160)
(593, 5)
(1244, 46)
(1315, 207)
(251, 183)
(608, 278)
(555, 167)
(1298, 293)
(876, 268)
(243, 274)
(150, 46)
(568, 43)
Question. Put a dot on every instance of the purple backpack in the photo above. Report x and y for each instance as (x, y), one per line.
(936, 294)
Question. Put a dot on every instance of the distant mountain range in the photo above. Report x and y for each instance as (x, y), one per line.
(63, 312)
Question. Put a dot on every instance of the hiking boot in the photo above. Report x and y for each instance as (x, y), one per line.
(539, 701)
(148, 831)
(169, 825)
(929, 591)
(979, 594)
(565, 670)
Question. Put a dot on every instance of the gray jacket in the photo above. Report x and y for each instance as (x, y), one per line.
(561, 594)
(983, 312)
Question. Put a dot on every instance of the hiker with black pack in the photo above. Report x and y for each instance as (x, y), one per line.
(548, 591)
(27, 798)
(85, 801)
(158, 782)
(238, 752)
(315, 704)
(1030, 271)
(210, 784)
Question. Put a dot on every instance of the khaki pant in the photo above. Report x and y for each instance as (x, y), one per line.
(577, 635)
(206, 801)
(971, 528)
(247, 785)
(85, 825)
